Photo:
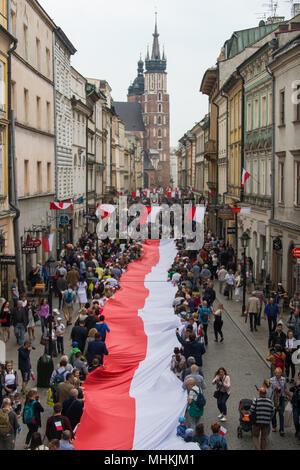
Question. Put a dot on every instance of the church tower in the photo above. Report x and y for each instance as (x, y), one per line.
(151, 93)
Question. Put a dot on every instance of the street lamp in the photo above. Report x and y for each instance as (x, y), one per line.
(244, 243)
(51, 272)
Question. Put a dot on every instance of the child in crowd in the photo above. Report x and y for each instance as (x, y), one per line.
(181, 428)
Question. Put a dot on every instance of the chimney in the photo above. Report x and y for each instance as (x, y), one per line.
(296, 9)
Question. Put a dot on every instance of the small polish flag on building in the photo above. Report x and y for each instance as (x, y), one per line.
(136, 194)
(196, 214)
(211, 194)
(48, 243)
(149, 214)
(241, 210)
(61, 206)
(105, 210)
(245, 176)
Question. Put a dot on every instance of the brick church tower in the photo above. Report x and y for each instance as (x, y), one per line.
(150, 90)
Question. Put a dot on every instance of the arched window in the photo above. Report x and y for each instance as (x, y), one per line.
(159, 145)
(159, 108)
(159, 132)
(159, 119)
(159, 96)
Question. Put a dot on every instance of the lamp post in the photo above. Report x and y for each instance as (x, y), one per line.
(51, 271)
(244, 243)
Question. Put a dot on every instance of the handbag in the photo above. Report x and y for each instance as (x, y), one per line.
(217, 394)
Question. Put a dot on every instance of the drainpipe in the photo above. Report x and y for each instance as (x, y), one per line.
(272, 165)
(12, 175)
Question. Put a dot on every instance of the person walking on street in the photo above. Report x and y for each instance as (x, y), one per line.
(295, 389)
(277, 337)
(6, 320)
(216, 441)
(20, 322)
(261, 412)
(15, 292)
(204, 313)
(32, 415)
(9, 426)
(279, 392)
(230, 280)
(44, 311)
(193, 410)
(221, 278)
(253, 308)
(24, 364)
(218, 322)
(271, 313)
(290, 348)
(57, 423)
(222, 382)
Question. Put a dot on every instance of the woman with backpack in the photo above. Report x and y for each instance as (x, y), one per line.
(222, 382)
(68, 302)
(195, 401)
(32, 415)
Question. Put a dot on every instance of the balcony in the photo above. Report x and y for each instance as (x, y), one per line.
(210, 150)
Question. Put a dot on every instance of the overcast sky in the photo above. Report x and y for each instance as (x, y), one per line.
(110, 35)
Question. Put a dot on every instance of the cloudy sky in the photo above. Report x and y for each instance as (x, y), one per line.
(110, 35)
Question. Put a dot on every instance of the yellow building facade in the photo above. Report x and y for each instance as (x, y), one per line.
(6, 212)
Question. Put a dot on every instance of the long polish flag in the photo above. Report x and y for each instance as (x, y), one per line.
(245, 176)
(241, 210)
(134, 401)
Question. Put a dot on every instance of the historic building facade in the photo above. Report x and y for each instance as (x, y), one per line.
(150, 90)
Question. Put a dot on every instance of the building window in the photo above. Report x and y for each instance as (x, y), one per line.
(282, 108)
(13, 22)
(25, 38)
(1, 163)
(297, 173)
(160, 145)
(39, 177)
(264, 111)
(13, 97)
(48, 117)
(38, 112)
(256, 116)
(298, 104)
(159, 108)
(249, 116)
(49, 177)
(2, 86)
(159, 132)
(26, 177)
(159, 96)
(281, 181)
(26, 105)
(38, 54)
(48, 62)
(159, 119)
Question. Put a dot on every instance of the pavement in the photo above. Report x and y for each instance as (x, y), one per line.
(242, 354)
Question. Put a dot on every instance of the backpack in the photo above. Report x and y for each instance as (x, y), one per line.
(278, 361)
(59, 378)
(69, 297)
(5, 426)
(204, 315)
(55, 431)
(276, 399)
(200, 402)
(28, 413)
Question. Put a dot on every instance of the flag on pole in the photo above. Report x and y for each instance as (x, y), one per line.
(48, 242)
(245, 176)
(136, 194)
(105, 210)
(196, 214)
(59, 206)
(241, 210)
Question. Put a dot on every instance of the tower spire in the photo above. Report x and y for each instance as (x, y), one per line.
(155, 47)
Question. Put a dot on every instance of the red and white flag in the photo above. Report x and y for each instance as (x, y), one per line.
(48, 243)
(245, 176)
(105, 210)
(136, 194)
(60, 206)
(241, 210)
(222, 431)
(196, 214)
(149, 214)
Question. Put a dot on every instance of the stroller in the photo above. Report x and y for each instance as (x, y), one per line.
(245, 423)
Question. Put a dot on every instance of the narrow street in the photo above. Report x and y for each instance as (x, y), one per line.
(241, 354)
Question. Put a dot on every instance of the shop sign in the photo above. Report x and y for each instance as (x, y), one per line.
(225, 213)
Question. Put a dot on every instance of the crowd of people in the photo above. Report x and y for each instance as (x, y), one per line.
(84, 276)
(88, 275)
(194, 273)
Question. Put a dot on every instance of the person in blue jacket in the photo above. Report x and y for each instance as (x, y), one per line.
(204, 313)
(96, 348)
(191, 348)
(271, 312)
(216, 441)
(181, 428)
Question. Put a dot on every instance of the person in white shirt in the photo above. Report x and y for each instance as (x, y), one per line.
(176, 278)
(221, 278)
(60, 330)
(290, 348)
(230, 279)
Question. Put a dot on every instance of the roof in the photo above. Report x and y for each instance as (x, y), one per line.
(131, 115)
(208, 81)
(244, 38)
